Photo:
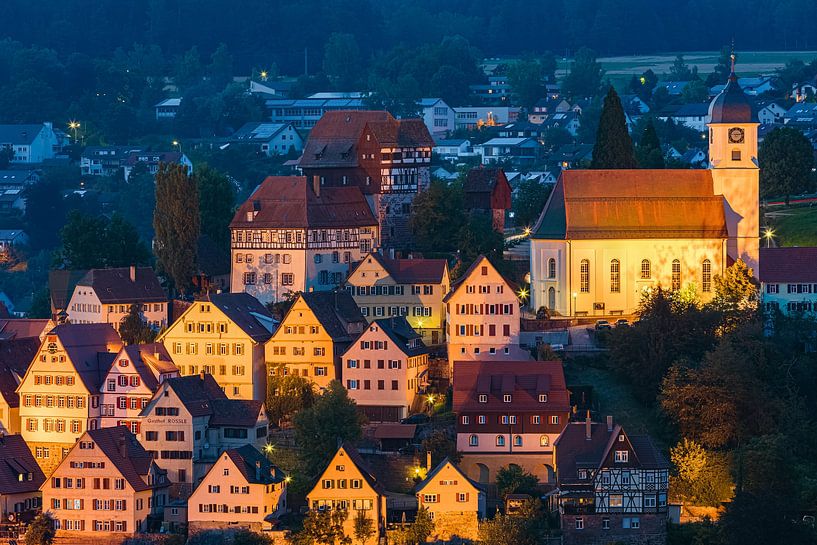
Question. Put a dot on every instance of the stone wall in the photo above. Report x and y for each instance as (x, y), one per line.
(653, 530)
(450, 526)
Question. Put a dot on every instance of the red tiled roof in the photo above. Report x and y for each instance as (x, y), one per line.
(15, 460)
(525, 380)
(20, 328)
(144, 361)
(395, 431)
(114, 286)
(788, 265)
(282, 202)
(483, 180)
(247, 459)
(246, 312)
(91, 349)
(125, 453)
(604, 204)
(461, 280)
(412, 271)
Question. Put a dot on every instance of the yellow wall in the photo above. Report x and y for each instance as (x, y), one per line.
(243, 375)
(451, 516)
(300, 330)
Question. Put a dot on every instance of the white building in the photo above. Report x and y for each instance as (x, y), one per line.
(788, 279)
(152, 159)
(167, 109)
(693, 116)
(454, 149)
(30, 143)
(290, 236)
(105, 296)
(271, 138)
(438, 116)
(469, 117)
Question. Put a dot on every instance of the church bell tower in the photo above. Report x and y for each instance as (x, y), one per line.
(734, 166)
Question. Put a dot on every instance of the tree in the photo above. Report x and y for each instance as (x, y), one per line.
(176, 223)
(287, 395)
(364, 527)
(529, 202)
(122, 245)
(81, 237)
(695, 91)
(437, 217)
(526, 80)
(585, 75)
(649, 152)
(216, 204)
(221, 65)
(137, 200)
(6, 155)
(450, 84)
(318, 429)
(478, 237)
(786, 159)
(512, 479)
(679, 71)
(323, 528)
(134, 329)
(613, 147)
(702, 477)
(736, 290)
(188, 69)
(248, 537)
(440, 444)
(341, 60)
(720, 72)
(41, 530)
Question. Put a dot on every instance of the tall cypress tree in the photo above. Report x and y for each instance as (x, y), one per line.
(614, 147)
(649, 152)
(176, 223)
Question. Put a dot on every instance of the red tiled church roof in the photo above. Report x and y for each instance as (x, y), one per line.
(788, 265)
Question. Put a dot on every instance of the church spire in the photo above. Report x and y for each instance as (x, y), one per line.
(732, 76)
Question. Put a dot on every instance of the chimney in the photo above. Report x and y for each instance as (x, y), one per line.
(201, 375)
(133, 273)
(428, 460)
(316, 185)
(122, 450)
(258, 470)
(609, 423)
(588, 427)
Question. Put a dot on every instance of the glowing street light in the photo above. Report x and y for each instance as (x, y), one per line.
(177, 144)
(768, 234)
(264, 75)
(74, 125)
(522, 293)
(269, 448)
(527, 231)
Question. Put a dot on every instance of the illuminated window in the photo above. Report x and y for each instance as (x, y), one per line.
(646, 270)
(544, 441)
(551, 268)
(584, 276)
(500, 440)
(706, 276)
(676, 275)
(615, 276)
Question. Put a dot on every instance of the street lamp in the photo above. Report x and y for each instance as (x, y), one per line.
(527, 231)
(74, 125)
(264, 75)
(269, 448)
(574, 301)
(178, 145)
(768, 234)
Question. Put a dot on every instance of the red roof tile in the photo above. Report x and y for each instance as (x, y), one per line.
(788, 265)
(282, 202)
(412, 271)
(525, 380)
(20, 328)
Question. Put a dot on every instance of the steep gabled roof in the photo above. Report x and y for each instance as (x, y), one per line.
(788, 265)
(400, 332)
(410, 271)
(247, 459)
(15, 357)
(433, 473)
(354, 456)
(125, 452)
(16, 464)
(19, 135)
(282, 202)
(91, 349)
(603, 204)
(334, 310)
(480, 260)
(196, 393)
(147, 365)
(235, 412)
(484, 180)
(114, 286)
(247, 313)
(61, 285)
(22, 328)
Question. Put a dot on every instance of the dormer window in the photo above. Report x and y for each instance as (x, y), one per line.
(506, 398)
(621, 438)
(483, 398)
(543, 398)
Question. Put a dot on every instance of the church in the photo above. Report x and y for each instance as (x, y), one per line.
(607, 236)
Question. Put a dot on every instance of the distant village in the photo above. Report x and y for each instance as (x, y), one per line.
(456, 366)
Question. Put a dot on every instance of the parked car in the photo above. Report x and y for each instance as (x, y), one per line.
(621, 322)
(558, 347)
(603, 324)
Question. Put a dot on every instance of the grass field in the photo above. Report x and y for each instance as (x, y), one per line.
(794, 226)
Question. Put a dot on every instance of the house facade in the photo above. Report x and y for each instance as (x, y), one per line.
(270, 138)
(788, 280)
(190, 422)
(130, 383)
(612, 485)
(488, 192)
(15, 357)
(20, 480)
(107, 484)
(348, 484)
(412, 288)
(242, 490)
(518, 150)
(59, 394)
(105, 296)
(312, 337)
(483, 317)
(294, 235)
(104, 160)
(30, 144)
(389, 160)
(455, 502)
(385, 369)
(509, 412)
(223, 336)
(438, 116)
(305, 113)
(471, 117)
(152, 159)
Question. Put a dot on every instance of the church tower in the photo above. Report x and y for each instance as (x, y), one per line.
(734, 166)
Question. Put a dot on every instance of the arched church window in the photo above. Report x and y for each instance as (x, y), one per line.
(706, 276)
(676, 275)
(551, 268)
(584, 276)
(615, 276)
(646, 269)
(544, 441)
(500, 440)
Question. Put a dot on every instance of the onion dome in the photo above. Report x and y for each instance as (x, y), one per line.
(731, 104)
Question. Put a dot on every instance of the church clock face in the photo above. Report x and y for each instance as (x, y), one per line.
(736, 135)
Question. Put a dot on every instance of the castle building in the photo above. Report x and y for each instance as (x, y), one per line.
(388, 159)
(606, 236)
(294, 234)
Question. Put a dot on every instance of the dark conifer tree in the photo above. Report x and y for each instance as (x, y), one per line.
(614, 147)
(649, 148)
